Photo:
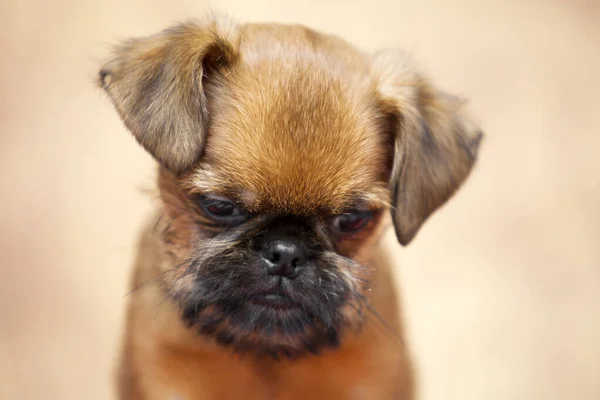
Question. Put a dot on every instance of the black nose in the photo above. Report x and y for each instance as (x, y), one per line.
(284, 257)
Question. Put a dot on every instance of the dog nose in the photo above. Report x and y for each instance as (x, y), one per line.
(284, 257)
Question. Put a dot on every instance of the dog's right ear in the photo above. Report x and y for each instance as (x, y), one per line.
(156, 84)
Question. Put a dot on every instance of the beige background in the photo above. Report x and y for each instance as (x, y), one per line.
(501, 288)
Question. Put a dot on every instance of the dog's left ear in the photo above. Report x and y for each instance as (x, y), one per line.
(435, 142)
(157, 85)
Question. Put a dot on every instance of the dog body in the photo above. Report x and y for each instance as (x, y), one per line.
(281, 151)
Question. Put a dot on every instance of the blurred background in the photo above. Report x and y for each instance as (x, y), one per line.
(501, 288)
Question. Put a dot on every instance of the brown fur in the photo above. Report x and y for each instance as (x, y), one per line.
(436, 141)
(285, 121)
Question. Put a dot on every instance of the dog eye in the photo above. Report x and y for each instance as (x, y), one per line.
(220, 209)
(351, 221)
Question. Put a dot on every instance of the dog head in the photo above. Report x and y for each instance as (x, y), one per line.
(281, 151)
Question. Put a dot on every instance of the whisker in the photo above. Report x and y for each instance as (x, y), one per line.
(180, 279)
(154, 278)
(378, 318)
(159, 220)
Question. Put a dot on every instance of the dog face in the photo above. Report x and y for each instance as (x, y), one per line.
(281, 150)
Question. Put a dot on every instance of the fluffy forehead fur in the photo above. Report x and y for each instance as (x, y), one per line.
(294, 125)
(289, 131)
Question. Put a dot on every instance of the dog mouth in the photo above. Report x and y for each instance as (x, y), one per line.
(273, 314)
(272, 320)
(275, 299)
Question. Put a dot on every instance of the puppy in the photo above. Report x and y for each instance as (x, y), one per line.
(283, 153)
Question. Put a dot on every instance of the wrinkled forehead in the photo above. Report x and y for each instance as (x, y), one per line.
(295, 139)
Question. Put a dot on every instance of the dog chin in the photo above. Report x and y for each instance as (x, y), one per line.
(265, 326)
